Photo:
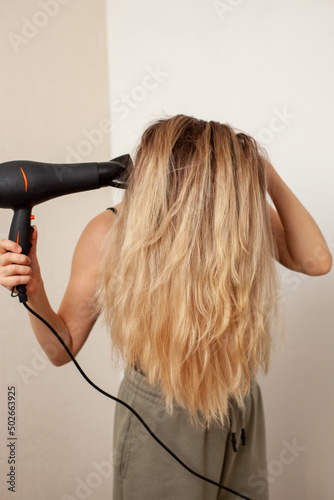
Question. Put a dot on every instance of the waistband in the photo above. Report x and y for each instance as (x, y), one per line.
(135, 381)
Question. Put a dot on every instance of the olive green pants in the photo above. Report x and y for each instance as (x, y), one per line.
(143, 470)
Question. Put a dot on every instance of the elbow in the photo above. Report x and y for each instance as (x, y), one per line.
(326, 268)
(322, 267)
(60, 360)
(59, 355)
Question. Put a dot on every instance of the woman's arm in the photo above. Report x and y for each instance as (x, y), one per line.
(74, 320)
(300, 242)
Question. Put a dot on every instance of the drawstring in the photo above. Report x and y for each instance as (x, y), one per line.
(243, 432)
(233, 428)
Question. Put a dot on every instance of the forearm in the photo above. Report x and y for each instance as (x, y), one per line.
(38, 301)
(304, 239)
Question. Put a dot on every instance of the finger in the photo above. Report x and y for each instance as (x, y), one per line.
(14, 258)
(15, 270)
(33, 240)
(13, 281)
(34, 234)
(9, 246)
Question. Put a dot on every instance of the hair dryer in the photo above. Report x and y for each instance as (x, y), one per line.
(24, 184)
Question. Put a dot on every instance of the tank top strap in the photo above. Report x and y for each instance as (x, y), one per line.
(113, 209)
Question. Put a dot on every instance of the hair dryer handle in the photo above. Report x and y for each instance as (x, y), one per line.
(20, 229)
(20, 232)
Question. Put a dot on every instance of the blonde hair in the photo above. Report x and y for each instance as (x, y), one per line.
(189, 283)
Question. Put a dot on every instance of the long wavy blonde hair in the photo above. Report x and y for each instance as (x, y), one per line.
(189, 283)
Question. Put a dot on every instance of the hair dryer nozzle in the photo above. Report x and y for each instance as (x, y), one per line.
(115, 172)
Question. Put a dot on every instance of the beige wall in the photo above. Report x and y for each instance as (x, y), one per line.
(53, 93)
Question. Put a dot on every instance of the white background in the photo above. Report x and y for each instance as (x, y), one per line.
(243, 62)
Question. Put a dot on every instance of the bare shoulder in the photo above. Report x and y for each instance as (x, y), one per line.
(119, 206)
(92, 237)
(100, 225)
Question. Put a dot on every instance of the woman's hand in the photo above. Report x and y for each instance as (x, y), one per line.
(17, 268)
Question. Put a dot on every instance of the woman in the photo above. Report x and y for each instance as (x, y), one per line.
(184, 274)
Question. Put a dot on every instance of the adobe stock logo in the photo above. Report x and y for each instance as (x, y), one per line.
(287, 456)
(225, 7)
(280, 119)
(121, 107)
(31, 28)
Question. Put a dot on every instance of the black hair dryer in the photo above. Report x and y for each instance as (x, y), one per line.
(24, 184)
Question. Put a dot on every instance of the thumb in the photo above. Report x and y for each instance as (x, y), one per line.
(33, 240)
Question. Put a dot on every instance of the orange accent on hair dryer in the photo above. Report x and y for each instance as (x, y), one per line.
(18, 237)
(25, 179)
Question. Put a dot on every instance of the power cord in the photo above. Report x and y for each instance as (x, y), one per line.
(240, 495)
